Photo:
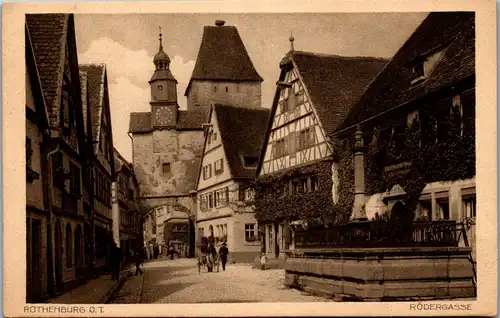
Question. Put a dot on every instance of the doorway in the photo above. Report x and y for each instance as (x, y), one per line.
(192, 239)
(58, 256)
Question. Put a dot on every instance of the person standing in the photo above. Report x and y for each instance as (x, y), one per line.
(263, 260)
(223, 251)
(115, 261)
(138, 262)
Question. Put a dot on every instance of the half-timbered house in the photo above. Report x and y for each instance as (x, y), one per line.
(38, 219)
(313, 95)
(55, 54)
(234, 139)
(130, 217)
(430, 81)
(100, 140)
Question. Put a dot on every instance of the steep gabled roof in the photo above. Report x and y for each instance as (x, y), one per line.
(335, 83)
(451, 32)
(223, 56)
(140, 122)
(242, 132)
(96, 74)
(85, 109)
(48, 36)
(34, 78)
(121, 162)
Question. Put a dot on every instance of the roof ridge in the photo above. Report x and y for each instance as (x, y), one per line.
(92, 65)
(332, 55)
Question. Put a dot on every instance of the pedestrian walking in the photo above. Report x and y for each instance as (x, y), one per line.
(263, 261)
(171, 251)
(138, 262)
(115, 261)
(223, 251)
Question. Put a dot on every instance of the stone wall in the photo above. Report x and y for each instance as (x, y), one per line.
(240, 94)
(181, 149)
(382, 273)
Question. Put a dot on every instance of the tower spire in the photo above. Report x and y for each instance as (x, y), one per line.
(291, 41)
(161, 42)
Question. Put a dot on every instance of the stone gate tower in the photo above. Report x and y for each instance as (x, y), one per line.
(167, 142)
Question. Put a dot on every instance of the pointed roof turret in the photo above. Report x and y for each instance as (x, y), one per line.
(223, 56)
(162, 65)
(161, 56)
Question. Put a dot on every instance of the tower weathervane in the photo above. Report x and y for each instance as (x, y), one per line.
(291, 41)
(161, 44)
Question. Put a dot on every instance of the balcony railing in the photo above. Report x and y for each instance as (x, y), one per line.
(382, 234)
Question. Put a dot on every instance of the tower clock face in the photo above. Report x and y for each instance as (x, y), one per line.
(164, 116)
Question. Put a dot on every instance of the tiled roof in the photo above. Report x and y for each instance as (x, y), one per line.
(95, 86)
(335, 83)
(192, 119)
(48, 35)
(452, 31)
(83, 84)
(120, 161)
(186, 120)
(242, 133)
(140, 122)
(223, 56)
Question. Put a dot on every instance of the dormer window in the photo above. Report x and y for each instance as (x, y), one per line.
(423, 66)
(250, 161)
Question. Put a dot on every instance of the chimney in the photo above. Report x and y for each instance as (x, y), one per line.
(219, 22)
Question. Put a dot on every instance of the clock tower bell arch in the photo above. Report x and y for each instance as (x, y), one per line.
(163, 87)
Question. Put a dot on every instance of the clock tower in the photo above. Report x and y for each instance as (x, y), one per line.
(163, 85)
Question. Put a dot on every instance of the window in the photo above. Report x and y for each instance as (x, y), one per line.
(203, 202)
(250, 161)
(469, 116)
(418, 70)
(443, 208)
(160, 87)
(227, 89)
(218, 166)
(69, 246)
(75, 178)
(210, 198)
(179, 228)
(469, 205)
(305, 138)
(215, 89)
(130, 194)
(221, 197)
(280, 148)
(215, 135)
(442, 117)
(399, 141)
(166, 168)
(314, 183)
(57, 165)
(250, 232)
(29, 152)
(237, 89)
(207, 172)
(65, 100)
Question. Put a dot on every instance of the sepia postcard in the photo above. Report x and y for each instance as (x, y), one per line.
(264, 158)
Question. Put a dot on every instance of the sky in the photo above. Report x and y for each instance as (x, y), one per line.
(126, 43)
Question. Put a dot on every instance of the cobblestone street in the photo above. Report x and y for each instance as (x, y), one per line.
(178, 281)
